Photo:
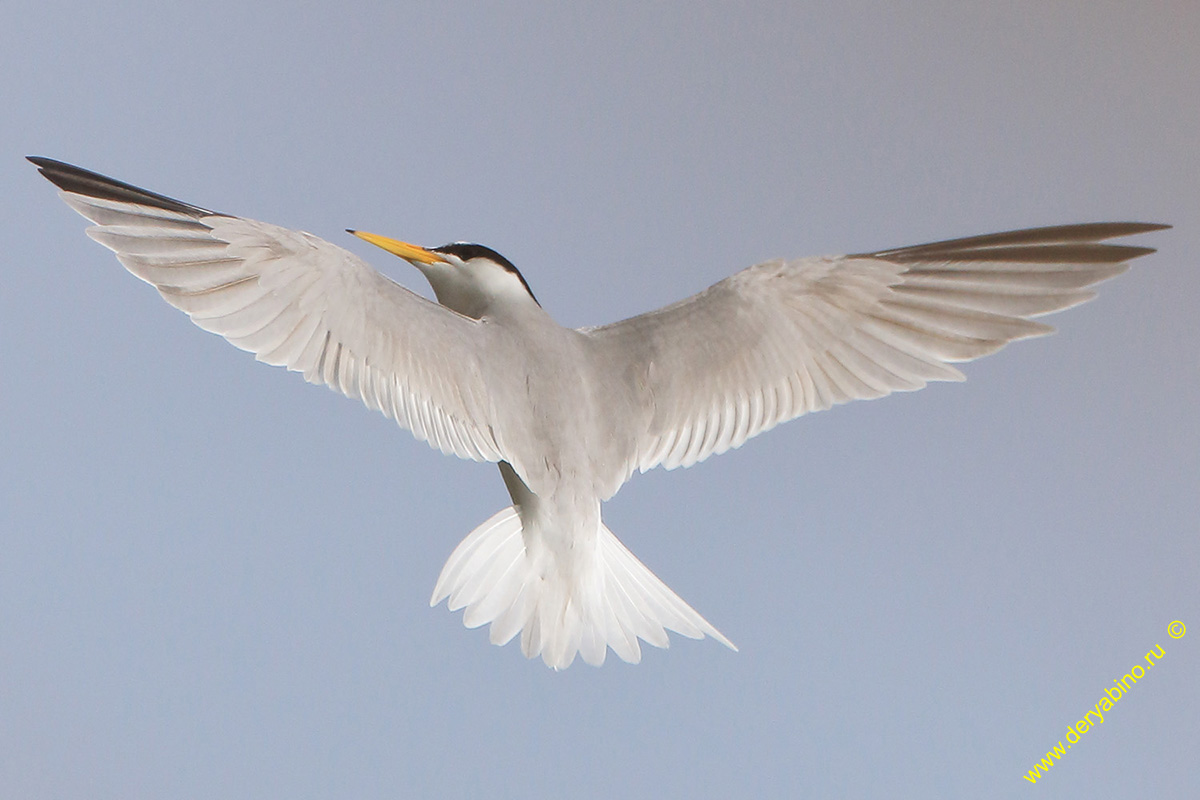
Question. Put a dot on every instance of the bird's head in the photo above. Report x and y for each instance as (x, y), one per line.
(468, 278)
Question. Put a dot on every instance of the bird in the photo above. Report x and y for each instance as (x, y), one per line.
(570, 415)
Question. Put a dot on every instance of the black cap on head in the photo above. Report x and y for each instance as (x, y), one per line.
(468, 250)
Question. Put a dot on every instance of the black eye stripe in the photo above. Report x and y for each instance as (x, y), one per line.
(468, 250)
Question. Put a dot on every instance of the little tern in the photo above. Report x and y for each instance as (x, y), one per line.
(569, 415)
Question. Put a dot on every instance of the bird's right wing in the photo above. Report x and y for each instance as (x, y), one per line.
(297, 301)
(785, 338)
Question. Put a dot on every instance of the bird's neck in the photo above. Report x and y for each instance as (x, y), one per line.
(489, 295)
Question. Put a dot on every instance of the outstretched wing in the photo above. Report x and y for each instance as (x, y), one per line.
(785, 338)
(297, 301)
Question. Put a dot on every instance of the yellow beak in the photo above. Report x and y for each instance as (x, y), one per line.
(409, 252)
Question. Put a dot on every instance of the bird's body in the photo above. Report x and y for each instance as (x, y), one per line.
(569, 415)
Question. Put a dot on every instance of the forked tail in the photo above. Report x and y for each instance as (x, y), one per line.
(617, 602)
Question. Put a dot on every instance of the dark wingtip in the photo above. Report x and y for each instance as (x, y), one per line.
(1059, 243)
(77, 180)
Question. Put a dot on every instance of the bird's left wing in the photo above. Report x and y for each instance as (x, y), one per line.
(785, 338)
(297, 301)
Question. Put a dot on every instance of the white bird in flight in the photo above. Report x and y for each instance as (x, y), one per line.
(569, 415)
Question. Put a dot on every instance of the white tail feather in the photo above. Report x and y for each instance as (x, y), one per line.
(617, 602)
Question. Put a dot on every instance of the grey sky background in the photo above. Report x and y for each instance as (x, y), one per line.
(215, 577)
